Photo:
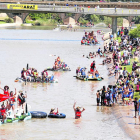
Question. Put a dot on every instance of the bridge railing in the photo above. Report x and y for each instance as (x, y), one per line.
(83, 10)
(79, 9)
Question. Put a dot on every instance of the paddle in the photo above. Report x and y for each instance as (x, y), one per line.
(27, 66)
(26, 108)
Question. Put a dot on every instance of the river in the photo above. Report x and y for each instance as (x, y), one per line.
(19, 47)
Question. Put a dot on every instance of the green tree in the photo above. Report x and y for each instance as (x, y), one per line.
(95, 18)
(135, 32)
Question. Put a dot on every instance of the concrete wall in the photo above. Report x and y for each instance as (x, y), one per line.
(125, 23)
(69, 20)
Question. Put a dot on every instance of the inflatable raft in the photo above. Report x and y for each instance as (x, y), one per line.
(59, 115)
(38, 114)
(89, 79)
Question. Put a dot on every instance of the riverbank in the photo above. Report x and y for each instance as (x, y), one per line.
(126, 120)
(125, 114)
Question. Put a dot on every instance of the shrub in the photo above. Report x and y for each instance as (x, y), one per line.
(9, 20)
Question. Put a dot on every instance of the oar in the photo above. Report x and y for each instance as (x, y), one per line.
(27, 66)
(26, 108)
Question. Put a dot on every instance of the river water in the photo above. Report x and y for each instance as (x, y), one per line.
(19, 47)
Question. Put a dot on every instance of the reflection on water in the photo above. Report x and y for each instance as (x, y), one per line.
(96, 122)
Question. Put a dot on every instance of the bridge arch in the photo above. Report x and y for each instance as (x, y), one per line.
(18, 17)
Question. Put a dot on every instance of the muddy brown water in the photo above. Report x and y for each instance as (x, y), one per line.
(19, 47)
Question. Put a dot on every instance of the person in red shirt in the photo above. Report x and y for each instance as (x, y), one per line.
(3, 112)
(92, 67)
(6, 90)
(77, 111)
(52, 111)
(58, 60)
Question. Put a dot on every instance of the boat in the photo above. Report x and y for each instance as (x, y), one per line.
(10, 118)
(89, 79)
(39, 80)
(59, 69)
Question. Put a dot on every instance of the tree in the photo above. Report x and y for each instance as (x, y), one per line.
(135, 32)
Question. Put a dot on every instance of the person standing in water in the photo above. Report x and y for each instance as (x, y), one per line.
(136, 106)
(77, 111)
(139, 110)
(98, 97)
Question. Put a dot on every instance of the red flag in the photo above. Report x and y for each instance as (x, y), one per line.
(4, 97)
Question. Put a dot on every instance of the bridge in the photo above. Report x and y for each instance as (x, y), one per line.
(130, 5)
(43, 8)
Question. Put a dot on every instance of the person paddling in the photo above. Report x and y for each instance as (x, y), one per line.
(77, 111)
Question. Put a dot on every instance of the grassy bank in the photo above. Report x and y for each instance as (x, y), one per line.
(2, 22)
(129, 69)
(118, 38)
(41, 22)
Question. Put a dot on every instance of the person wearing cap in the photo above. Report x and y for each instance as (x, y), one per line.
(5, 90)
(3, 112)
(53, 111)
(77, 111)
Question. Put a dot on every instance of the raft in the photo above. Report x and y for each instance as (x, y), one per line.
(37, 81)
(59, 115)
(52, 69)
(19, 116)
(89, 79)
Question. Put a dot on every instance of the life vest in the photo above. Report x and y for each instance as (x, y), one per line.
(46, 73)
(78, 113)
(3, 111)
(27, 73)
(58, 59)
(21, 99)
(35, 74)
(55, 63)
(6, 93)
(13, 99)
